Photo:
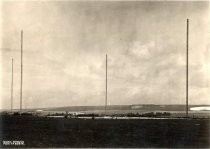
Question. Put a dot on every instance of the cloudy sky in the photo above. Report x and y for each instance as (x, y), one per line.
(65, 44)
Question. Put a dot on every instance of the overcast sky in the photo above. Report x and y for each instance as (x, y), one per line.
(65, 44)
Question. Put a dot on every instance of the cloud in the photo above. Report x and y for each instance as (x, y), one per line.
(143, 51)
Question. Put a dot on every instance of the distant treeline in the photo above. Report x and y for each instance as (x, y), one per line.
(148, 114)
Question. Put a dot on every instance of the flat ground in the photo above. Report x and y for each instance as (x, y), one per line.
(60, 132)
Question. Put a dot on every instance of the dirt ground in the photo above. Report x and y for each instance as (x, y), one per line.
(61, 132)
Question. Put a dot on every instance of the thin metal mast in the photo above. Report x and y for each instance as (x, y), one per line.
(12, 88)
(106, 87)
(187, 67)
(21, 75)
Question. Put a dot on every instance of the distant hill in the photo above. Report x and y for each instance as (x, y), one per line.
(140, 107)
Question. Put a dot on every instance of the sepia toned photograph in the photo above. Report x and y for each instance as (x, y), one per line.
(104, 74)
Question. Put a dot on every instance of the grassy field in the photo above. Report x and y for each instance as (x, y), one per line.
(58, 132)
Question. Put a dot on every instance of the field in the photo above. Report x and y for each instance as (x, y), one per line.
(61, 132)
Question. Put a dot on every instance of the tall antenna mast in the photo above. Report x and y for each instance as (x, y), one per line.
(21, 75)
(12, 87)
(187, 67)
(106, 88)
